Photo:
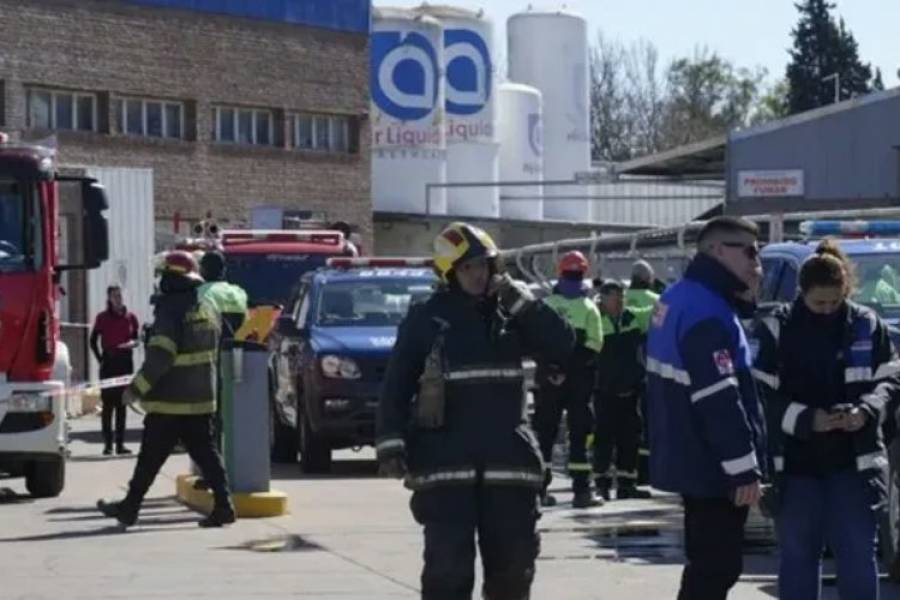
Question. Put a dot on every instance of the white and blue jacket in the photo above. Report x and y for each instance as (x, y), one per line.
(707, 432)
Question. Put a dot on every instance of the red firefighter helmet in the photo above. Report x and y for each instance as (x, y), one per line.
(179, 262)
(573, 262)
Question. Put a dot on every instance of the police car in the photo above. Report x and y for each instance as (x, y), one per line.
(874, 249)
(332, 352)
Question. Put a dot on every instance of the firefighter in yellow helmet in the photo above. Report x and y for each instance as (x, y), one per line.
(451, 420)
(569, 388)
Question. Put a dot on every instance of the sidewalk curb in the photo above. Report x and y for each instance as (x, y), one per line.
(247, 506)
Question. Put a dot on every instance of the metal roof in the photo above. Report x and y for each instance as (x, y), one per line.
(704, 159)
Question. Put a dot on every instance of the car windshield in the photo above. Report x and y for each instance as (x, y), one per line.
(270, 278)
(370, 303)
(14, 227)
(878, 283)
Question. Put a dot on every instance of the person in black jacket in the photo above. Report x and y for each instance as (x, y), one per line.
(828, 371)
(618, 385)
(451, 419)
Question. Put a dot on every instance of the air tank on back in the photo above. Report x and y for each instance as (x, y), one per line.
(549, 50)
(408, 129)
(519, 126)
(471, 127)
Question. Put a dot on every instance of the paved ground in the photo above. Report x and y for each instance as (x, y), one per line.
(349, 536)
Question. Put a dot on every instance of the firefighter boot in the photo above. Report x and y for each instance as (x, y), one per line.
(586, 499)
(603, 486)
(222, 514)
(120, 511)
(628, 490)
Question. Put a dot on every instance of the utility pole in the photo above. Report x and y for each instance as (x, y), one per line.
(837, 85)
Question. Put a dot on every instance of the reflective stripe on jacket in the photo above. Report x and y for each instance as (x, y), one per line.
(178, 376)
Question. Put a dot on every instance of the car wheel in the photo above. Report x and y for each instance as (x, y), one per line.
(315, 451)
(283, 439)
(46, 478)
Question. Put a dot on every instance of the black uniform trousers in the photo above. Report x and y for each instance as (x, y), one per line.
(161, 434)
(111, 398)
(617, 430)
(573, 396)
(713, 540)
(504, 517)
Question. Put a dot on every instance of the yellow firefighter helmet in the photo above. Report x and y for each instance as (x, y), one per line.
(460, 242)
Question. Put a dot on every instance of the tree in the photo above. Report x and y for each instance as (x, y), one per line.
(824, 51)
(709, 96)
(772, 104)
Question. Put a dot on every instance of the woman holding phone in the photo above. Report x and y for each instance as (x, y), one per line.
(827, 371)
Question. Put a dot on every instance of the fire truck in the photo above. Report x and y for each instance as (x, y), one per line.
(34, 363)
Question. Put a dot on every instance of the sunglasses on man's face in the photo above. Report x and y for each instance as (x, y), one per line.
(751, 251)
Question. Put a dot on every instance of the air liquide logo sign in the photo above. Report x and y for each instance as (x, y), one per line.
(404, 74)
(532, 163)
(469, 82)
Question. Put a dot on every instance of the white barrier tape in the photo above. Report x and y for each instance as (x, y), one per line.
(103, 384)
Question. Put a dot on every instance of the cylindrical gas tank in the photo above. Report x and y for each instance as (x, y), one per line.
(471, 122)
(549, 51)
(409, 147)
(519, 125)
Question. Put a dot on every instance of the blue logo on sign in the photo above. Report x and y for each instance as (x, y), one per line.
(469, 71)
(536, 134)
(404, 74)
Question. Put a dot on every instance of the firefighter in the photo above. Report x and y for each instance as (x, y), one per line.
(619, 384)
(829, 372)
(640, 293)
(569, 388)
(177, 388)
(451, 419)
(227, 299)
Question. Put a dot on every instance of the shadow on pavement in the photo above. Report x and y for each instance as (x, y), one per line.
(340, 469)
(95, 436)
(156, 501)
(283, 543)
(109, 530)
(10, 496)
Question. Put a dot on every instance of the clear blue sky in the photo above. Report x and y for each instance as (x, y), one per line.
(747, 32)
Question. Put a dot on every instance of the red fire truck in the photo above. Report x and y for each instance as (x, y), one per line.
(34, 364)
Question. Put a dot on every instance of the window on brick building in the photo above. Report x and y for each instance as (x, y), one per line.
(55, 109)
(243, 126)
(150, 118)
(326, 133)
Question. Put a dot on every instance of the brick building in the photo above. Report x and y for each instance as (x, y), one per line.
(266, 105)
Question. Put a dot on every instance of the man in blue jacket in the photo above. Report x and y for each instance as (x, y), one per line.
(707, 438)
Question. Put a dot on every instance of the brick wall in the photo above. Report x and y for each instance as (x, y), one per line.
(112, 48)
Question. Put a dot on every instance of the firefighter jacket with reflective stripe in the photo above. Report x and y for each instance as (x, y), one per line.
(707, 433)
(640, 297)
(583, 315)
(484, 435)
(806, 362)
(620, 368)
(178, 376)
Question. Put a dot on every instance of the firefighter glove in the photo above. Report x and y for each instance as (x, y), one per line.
(514, 296)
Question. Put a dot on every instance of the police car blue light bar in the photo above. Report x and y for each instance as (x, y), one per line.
(377, 262)
(850, 228)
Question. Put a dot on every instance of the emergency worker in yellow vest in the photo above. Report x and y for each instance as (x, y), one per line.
(177, 388)
(621, 375)
(640, 293)
(452, 420)
(227, 299)
(569, 387)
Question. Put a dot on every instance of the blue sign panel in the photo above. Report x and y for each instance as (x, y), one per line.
(341, 15)
(469, 71)
(404, 74)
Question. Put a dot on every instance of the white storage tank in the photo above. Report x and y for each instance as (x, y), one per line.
(409, 147)
(519, 125)
(549, 50)
(470, 74)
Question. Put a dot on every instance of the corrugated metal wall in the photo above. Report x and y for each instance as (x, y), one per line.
(847, 151)
(342, 15)
(131, 236)
(653, 202)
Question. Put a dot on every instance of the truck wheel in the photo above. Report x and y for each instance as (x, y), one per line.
(315, 452)
(889, 525)
(46, 478)
(283, 441)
